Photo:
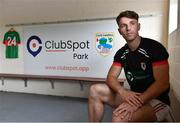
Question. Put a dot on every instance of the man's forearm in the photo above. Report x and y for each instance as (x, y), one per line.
(161, 84)
(114, 84)
(154, 91)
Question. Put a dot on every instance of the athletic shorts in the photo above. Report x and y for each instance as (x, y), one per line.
(161, 109)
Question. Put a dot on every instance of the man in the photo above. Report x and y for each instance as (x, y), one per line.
(147, 71)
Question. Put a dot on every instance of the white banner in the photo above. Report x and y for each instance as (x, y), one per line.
(81, 49)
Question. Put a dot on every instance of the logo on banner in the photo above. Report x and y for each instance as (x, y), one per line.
(34, 45)
(104, 42)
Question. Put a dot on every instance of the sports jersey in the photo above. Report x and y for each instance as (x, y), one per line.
(138, 65)
(11, 40)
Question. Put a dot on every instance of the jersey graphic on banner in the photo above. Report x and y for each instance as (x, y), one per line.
(11, 40)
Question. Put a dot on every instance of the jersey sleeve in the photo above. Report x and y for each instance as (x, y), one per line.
(159, 54)
(5, 40)
(117, 59)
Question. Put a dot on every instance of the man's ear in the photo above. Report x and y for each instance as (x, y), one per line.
(139, 26)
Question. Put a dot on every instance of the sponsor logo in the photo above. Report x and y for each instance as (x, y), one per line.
(34, 45)
(130, 76)
(63, 46)
(104, 42)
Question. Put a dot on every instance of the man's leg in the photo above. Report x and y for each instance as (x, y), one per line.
(144, 114)
(155, 110)
(99, 95)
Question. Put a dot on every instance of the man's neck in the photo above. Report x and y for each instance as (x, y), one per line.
(133, 45)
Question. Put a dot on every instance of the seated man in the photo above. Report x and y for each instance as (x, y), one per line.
(145, 62)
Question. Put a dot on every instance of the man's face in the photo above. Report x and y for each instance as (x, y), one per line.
(129, 28)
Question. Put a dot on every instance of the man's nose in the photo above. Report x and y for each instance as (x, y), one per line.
(128, 27)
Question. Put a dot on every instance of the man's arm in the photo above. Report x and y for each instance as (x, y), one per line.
(161, 84)
(112, 78)
(112, 81)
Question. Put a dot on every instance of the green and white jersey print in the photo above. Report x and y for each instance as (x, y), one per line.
(11, 40)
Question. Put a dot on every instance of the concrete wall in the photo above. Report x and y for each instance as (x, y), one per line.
(174, 51)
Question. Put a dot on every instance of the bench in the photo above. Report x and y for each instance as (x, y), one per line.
(81, 80)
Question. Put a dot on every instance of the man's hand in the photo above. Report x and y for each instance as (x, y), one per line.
(124, 112)
(132, 98)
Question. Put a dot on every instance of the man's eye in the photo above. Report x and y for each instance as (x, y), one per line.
(122, 26)
(133, 23)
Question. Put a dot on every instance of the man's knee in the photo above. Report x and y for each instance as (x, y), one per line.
(95, 90)
(101, 92)
(116, 119)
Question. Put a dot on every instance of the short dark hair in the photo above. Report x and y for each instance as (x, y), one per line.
(128, 14)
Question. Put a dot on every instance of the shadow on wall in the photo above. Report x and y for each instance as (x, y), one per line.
(175, 106)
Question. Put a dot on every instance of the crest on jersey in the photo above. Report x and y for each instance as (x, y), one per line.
(143, 65)
(104, 42)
